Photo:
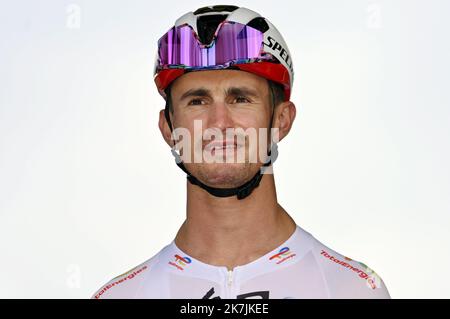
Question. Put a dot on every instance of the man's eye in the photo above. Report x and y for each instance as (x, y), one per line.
(243, 99)
(193, 102)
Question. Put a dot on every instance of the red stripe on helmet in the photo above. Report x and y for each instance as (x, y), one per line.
(272, 71)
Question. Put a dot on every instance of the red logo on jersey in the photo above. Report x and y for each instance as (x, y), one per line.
(282, 255)
(180, 262)
(371, 279)
(126, 276)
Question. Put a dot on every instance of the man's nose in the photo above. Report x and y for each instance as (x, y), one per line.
(219, 116)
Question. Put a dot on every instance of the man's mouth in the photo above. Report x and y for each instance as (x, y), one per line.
(221, 146)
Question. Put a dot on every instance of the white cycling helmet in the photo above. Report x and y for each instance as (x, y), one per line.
(220, 37)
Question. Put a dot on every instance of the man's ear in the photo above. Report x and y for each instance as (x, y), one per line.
(164, 128)
(284, 118)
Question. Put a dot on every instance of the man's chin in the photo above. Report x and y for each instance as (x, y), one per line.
(224, 175)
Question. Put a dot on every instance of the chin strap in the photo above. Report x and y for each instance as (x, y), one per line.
(241, 191)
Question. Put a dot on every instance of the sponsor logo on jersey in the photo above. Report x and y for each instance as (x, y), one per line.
(126, 276)
(372, 279)
(372, 282)
(262, 294)
(283, 254)
(180, 262)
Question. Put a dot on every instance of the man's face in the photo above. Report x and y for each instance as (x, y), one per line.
(223, 99)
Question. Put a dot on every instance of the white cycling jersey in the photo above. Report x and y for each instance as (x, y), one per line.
(301, 267)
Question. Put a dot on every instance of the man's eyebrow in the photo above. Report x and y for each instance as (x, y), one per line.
(195, 92)
(234, 91)
(241, 90)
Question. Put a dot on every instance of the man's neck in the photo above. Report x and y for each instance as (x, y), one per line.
(231, 232)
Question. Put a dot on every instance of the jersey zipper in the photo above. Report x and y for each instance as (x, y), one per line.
(229, 283)
(230, 278)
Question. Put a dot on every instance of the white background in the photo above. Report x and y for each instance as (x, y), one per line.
(88, 188)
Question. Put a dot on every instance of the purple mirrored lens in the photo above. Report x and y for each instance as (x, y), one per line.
(234, 41)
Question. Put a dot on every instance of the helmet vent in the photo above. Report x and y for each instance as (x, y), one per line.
(207, 26)
(217, 8)
(259, 23)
